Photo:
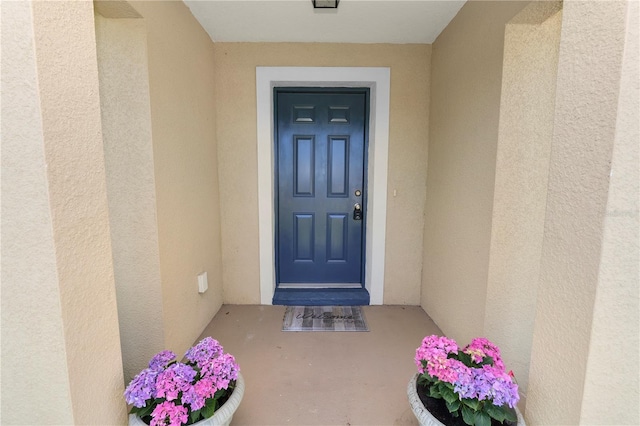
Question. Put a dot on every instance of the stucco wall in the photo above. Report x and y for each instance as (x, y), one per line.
(183, 126)
(126, 131)
(29, 324)
(614, 392)
(529, 72)
(576, 256)
(236, 125)
(68, 300)
(466, 78)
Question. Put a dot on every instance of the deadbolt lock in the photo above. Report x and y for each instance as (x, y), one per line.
(357, 211)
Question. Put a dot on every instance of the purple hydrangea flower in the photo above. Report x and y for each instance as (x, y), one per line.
(465, 385)
(141, 388)
(207, 349)
(501, 388)
(161, 359)
(488, 383)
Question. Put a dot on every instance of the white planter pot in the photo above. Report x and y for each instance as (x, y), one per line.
(222, 417)
(424, 416)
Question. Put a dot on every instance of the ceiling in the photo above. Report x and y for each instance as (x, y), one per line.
(355, 21)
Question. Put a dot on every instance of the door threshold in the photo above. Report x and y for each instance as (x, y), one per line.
(321, 297)
(319, 285)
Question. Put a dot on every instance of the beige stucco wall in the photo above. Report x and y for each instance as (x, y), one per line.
(236, 124)
(614, 393)
(580, 256)
(466, 71)
(61, 358)
(32, 327)
(183, 127)
(126, 132)
(532, 39)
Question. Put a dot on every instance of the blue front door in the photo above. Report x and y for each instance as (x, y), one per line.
(321, 194)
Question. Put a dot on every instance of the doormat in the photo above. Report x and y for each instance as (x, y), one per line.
(324, 318)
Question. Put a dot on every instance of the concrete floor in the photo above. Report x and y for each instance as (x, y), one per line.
(323, 378)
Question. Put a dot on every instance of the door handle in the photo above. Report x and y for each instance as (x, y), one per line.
(357, 211)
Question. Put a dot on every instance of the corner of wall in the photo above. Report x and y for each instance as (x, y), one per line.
(185, 166)
(575, 239)
(527, 105)
(466, 65)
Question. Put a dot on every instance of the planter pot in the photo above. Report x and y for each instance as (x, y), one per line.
(424, 416)
(222, 416)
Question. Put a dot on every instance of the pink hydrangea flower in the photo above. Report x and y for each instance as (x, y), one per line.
(175, 379)
(223, 369)
(197, 395)
(480, 347)
(433, 353)
(169, 414)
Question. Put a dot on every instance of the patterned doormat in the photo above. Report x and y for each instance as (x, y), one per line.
(324, 318)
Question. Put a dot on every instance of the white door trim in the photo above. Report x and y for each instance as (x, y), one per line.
(379, 82)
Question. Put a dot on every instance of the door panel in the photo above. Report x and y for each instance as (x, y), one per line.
(304, 166)
(304, 238)
(338, 167)
(320, 144)
(337, 246)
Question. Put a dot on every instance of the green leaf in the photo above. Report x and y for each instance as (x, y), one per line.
(468, 415)
(195, 415)
(510, 414)
(434, 392)
(482, 419)
(443, 387)
(487, 360)
(495, 412)
(449, 395)
(474, 404)
(453, 406)
(209, 408)
(146, 411)
(430, 379)
(465, 359)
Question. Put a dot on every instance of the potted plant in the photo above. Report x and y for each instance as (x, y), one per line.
(206, 389)
(468, 386)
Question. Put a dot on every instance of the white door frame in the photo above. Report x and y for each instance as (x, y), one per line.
(378, 80)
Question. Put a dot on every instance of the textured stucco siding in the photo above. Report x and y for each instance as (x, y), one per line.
(588, 88)
(126, 130)
(466, 80)
(532, 39)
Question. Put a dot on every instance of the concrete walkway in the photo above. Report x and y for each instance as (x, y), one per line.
(323, 378)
